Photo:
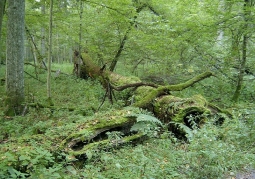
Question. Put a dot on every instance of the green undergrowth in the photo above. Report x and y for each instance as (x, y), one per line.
(211, 152)
(27, 148)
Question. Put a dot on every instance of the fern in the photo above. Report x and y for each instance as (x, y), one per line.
(146, 124)
(184, 129)
(149, 119)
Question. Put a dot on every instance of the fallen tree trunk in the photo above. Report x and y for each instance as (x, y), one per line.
(93, 135)
(153, 97)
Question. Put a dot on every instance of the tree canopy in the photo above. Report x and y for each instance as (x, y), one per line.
(175, 37)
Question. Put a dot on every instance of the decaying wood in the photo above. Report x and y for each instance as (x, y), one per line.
(153, 97)
(152, 94)
(92, 135)
(39, 105)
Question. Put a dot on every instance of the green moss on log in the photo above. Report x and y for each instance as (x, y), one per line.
(104, 144)
(183, 114)
(171, 108)
(154, 93)
(87, 132)
(119, 80)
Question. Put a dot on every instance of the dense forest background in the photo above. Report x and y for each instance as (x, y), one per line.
(158, 41)
(177, 39)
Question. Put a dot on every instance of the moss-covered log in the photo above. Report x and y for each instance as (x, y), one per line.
(92, 135)
(153, 97)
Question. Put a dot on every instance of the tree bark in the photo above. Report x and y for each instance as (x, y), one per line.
(80, 38)
(50, 55)
(239, 84)
(2, 8)
(15, 57)
(139, 8)
(43, 37)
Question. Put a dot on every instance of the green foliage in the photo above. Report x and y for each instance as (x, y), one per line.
(32, 151)
(135, 162)
(27, 149)
(147, 124)
(168, 39)
(18, 160)
(213, 152)
(220, 150)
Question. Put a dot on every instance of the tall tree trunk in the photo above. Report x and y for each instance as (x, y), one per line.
(139, 7)
(43, 51)
(50, 55)
(120, 49)
(33, 47)
(123, 41)
(58, 48)
(2, 7)
(15, 57)
(244, 51)
(80, 39)
(220, 30)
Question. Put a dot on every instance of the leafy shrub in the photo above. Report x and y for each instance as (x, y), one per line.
(215, 151)
(21, 160)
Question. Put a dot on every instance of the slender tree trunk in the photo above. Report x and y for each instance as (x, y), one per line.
(80, 39)
(244, 52)
(70, 55)
(58, 48)
(220, 30)
(50, 55)
(241, 70)
(34, 55)
(2, 7)
(34, 49)
(139, 7)
(123, 41)
(15, 57)
(43, 51)
(120, 49)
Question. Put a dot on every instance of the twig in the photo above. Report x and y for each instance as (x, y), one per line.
(34, 77)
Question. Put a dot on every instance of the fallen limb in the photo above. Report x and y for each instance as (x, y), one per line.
(36, 78)
(53, 108)
(134, 85)
(162, 90)
(43, 68)
(39, 105)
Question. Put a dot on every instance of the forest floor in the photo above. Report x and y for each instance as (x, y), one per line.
(227, 151)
